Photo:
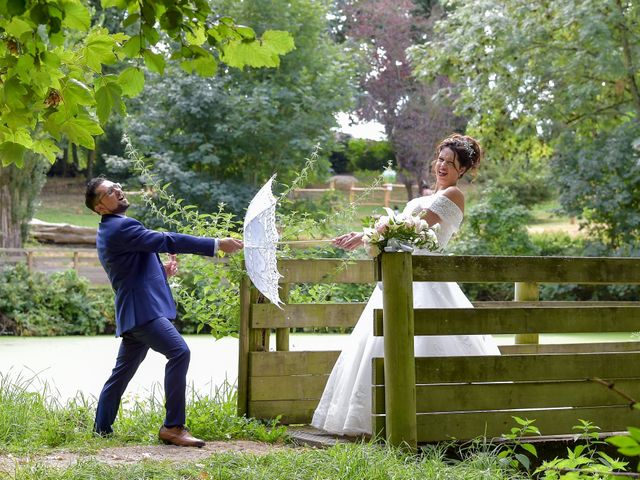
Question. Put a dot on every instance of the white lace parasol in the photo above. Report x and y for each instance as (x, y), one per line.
(260, 242)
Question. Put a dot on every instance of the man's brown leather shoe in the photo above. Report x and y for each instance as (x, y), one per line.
(179, 436)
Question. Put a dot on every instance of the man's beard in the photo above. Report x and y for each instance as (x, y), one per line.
(121, 208)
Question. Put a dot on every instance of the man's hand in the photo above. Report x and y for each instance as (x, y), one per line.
(171, 267)
(349, 241)
(230, 245)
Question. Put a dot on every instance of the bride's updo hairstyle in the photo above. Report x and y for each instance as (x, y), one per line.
(466, 148)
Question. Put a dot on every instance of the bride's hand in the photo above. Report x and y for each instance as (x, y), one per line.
(349, 241)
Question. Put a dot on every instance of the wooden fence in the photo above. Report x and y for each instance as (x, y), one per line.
(387, 195)
(48, 260)
(438, 398)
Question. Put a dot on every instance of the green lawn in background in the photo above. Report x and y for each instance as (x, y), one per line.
(67, 208)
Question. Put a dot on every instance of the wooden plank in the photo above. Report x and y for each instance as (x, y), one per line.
(342, 315)
(290, 387)
(258, 337)
(291, 411)
(465, 426)
(243, 346)
(516, 319)
(485, 269)
(53, 261)
(553, 303)
(267, 364)
(600, 347)
(326, 271)
(507, 395)
(520, 368)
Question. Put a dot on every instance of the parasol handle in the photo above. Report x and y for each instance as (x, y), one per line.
(295, 242)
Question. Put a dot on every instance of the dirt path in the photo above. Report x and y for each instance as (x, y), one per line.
(134, 454)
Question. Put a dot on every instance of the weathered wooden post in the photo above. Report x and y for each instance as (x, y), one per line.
(243, 346)
(76, 260)
(29, 260)
(399, 359)
(527, 292)
(282, 334)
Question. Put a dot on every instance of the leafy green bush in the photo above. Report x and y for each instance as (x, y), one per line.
(368, 154)
(590, 248)
(529, 185)
(558, 244)
(600, 182)
(496, 224)
(58, 304)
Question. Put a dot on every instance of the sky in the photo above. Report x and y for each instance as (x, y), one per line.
(370, 130)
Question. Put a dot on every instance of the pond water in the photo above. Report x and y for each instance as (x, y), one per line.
(69, 365)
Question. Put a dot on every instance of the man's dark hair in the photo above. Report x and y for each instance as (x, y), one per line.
(90, 195)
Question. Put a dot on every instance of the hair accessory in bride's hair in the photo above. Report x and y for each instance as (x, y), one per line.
(467, 147)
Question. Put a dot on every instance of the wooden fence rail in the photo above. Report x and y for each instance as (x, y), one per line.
(437, 398)
(48, 260)
(387, 195)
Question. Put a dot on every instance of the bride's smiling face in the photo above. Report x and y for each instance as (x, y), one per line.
(447, 168)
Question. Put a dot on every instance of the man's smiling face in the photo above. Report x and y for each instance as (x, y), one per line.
(111, 198)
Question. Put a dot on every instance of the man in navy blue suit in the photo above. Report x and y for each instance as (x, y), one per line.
(144, 305)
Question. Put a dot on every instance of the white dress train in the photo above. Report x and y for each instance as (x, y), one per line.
(345, 406)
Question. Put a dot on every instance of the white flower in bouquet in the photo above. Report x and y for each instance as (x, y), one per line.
(399, 233)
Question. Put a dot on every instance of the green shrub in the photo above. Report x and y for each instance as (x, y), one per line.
(35, 304)
(558, 244)
(496, 224)
(368, 154)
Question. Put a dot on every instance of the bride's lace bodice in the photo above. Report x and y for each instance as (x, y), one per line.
(449, 213)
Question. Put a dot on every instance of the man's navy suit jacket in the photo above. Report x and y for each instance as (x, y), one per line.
(129, 254)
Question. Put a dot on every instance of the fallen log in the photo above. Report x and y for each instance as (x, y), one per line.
(61, 233)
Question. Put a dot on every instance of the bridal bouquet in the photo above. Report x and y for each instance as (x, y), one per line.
(399, 233)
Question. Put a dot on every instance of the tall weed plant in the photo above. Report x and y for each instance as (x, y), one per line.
(208, 292)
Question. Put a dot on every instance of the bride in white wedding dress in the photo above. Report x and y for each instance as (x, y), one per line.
(345, 406)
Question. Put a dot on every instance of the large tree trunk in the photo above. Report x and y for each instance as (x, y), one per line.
(10, 233)
(19, 188)
(91, 160)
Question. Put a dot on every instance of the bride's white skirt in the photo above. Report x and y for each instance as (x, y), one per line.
(345, 406)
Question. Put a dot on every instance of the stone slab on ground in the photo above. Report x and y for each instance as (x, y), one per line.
(308, 436)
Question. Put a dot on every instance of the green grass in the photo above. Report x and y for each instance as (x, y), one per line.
(70, 208)
(547, 213)
(344, 461)
(66, 208)
(32, 419)
(34, 423)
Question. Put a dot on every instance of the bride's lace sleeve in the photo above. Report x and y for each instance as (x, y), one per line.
(447, 210)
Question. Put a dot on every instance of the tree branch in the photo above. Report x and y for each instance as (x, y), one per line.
(627, 58)
(612, 386)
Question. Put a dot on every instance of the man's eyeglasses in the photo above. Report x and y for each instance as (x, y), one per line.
(109, 192)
